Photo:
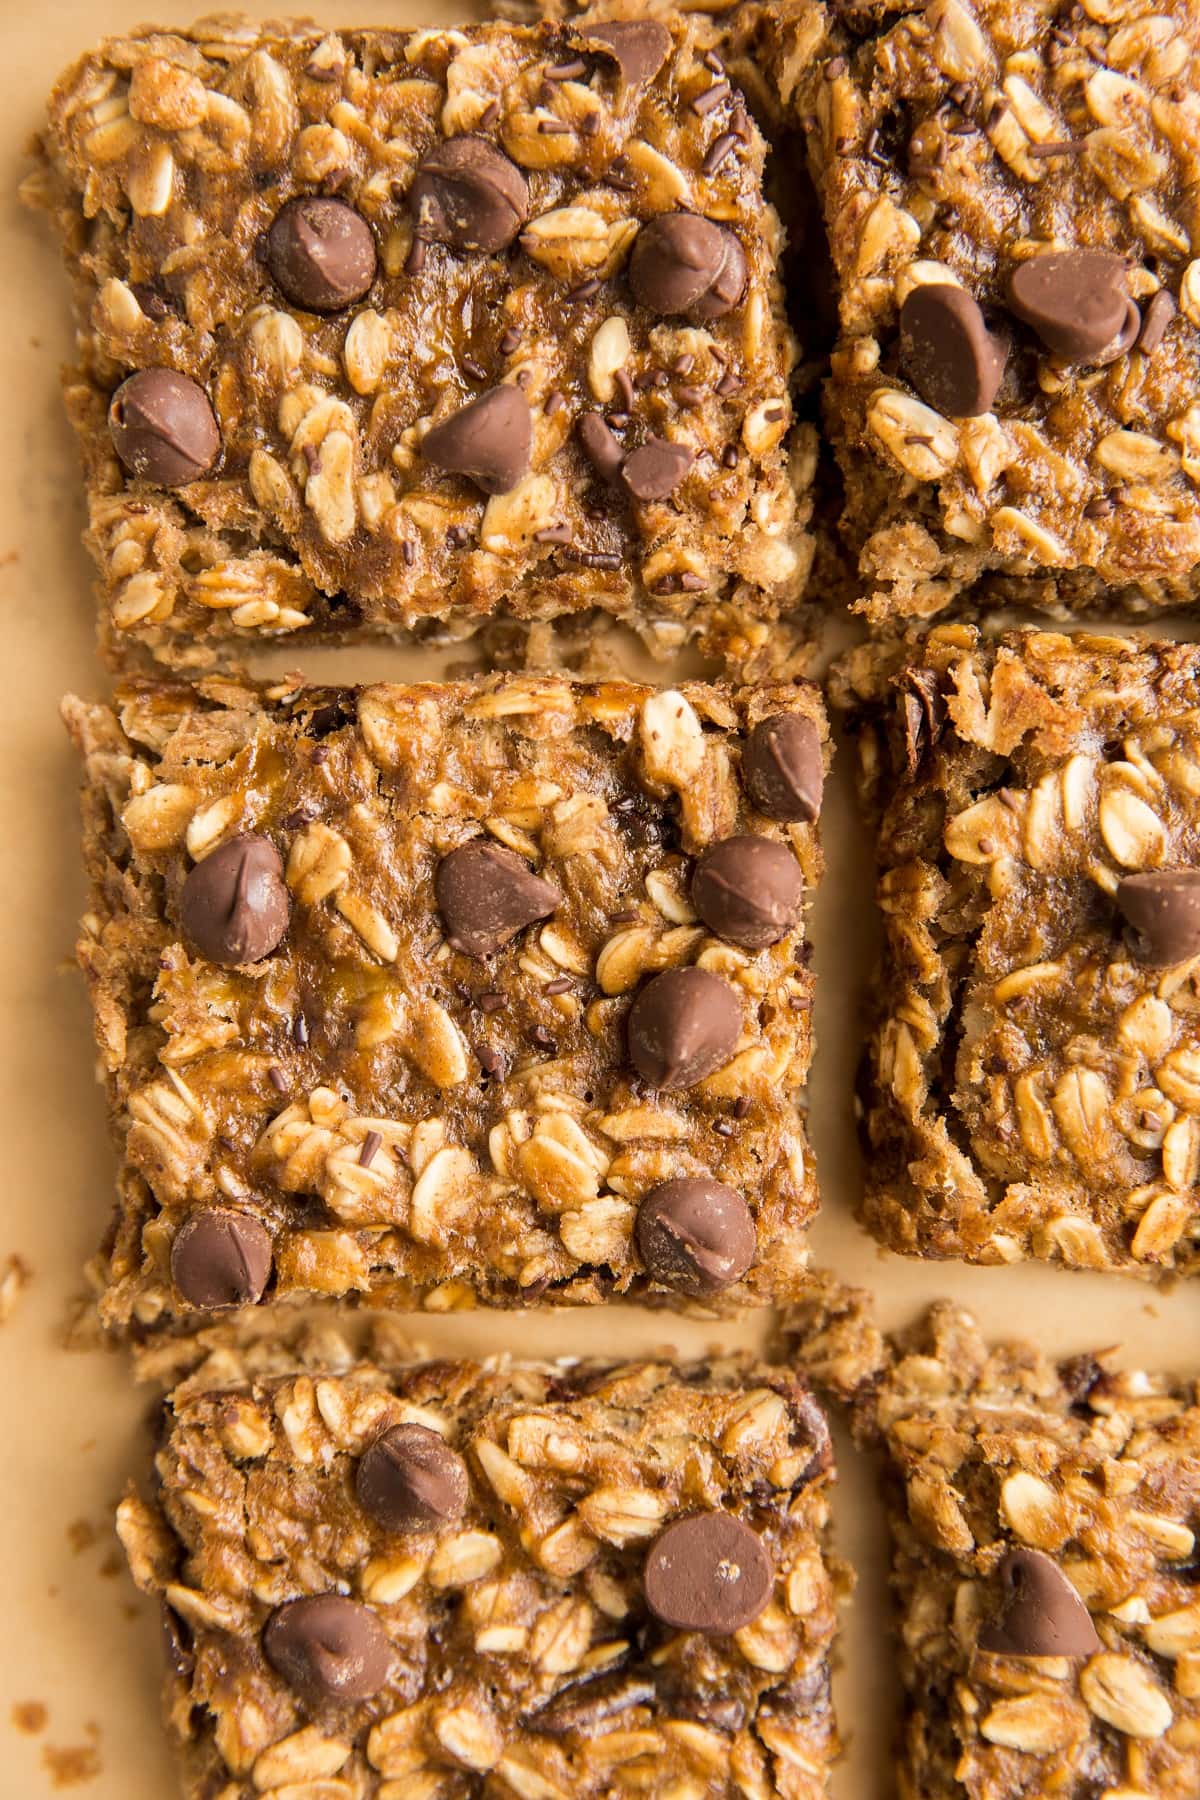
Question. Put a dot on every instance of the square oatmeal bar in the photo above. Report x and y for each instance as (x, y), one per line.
(382, 331)
(1010, 196)
(520, 1581)
(1033, 1078)
(1044, 1567)
(454, 993)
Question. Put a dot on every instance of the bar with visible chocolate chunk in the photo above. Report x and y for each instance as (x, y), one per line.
(509, 1579)
(1009, 193)
(452, 994)
(382, 332)
(1043, 1525)
(1031, 1084)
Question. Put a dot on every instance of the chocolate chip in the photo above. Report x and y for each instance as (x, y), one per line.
(321, 253)
(684, 264)
(328, 1648)
(655, 470)
(695, 1235)
(1155, 321)
(221, 1258)
(1163, 907)
(601, 448)
(410, 1479)
(683, 1026)
(490, 440)
(1078, 303)
(783, 769)
(708, 1573)
(749, 890)
(1041, 1614)
(487, 894)
(163, 428)
(234, 907)
(946, 350)
(640, 47)
(468, 194)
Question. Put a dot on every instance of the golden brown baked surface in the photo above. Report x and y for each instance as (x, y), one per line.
(170, 163)
(520, 1656)
(955, 144)
(386, 1114)
(1011, 1480)
(1031, 1069)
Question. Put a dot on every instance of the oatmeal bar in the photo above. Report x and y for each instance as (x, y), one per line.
(476, 992)
(1034, 1070)
(507, 1580)
(1010, 196)
(1044, 1569)
(380, 330)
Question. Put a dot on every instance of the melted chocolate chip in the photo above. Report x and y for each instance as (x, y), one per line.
(411, 1480)
(708, 1573)
(602, 449)
(783, 769)
(234, 907)
(1041, 1614)
(321, 253)
(163, 428)
(468, 194)
(1078, 302)
(640, 47)
(683, 1026)
(328, 1648)
(946, 350)
(654, 471)
(1163, 908)
(490, 440)
(685, 264)
(221, 1258)
(695, 1235)
(487, 894)
(749, 890)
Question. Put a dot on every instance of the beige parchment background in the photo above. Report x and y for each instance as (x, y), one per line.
(76, 1640)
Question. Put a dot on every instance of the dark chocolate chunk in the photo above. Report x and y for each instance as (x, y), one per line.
(234, 907)
(410, 1479)
(1163, 907)
(221, 1258)
(1041, 1614)
(163, 428)
(490, 440)
(328, 1648)
(696, 1235)
(685, 264)
(946, 350)
(708, 1573)
(748, 890)
(321, 253)
(487, 894)
(468, 194)
(683, 1026)
(782, 767)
